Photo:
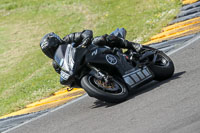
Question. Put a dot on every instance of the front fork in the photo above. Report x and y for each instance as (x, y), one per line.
(98, 74)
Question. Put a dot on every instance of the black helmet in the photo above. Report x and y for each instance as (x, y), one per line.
(49, 43)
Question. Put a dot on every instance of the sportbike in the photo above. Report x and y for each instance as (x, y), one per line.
(109, 74)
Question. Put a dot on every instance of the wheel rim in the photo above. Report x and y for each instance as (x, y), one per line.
(115, 87)
(162, 61)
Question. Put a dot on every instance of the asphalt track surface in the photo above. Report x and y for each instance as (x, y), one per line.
(171, 106)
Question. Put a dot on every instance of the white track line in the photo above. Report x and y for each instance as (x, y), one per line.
(187, 43)
(53, 110)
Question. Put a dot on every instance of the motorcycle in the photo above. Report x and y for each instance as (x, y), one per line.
(109, 74)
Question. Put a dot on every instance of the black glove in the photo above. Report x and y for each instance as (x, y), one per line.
(85, 42)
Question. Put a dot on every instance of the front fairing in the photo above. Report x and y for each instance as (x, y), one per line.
(116, 64)
(104, 58)
(69, 58)
(68, 62)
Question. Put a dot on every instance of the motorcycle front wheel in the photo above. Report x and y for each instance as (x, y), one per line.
(114, 92)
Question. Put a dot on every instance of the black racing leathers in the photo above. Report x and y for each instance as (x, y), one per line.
(114, 41)
(86, 38)
(79, 38)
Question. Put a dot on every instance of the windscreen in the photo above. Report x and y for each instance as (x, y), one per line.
(64, 57)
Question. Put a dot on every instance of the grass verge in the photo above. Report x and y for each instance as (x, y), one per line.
(26, 74)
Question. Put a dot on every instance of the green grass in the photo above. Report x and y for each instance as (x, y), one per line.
(26, 75)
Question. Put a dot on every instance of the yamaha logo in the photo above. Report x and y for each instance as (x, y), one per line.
(111, 59)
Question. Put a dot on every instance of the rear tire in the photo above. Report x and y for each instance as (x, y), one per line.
(161, 70)
(93, 90)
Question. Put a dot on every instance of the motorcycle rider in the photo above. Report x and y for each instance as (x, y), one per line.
(50, 42)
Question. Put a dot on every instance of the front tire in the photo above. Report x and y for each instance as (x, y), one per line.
(113, 95)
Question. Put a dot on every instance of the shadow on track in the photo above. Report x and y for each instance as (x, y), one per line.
(148, 87)
(99, 103)
(154, 84)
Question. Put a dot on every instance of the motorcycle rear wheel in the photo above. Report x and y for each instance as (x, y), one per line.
(116, 94)
(163, 68)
